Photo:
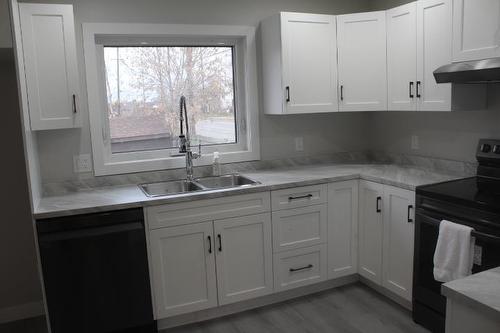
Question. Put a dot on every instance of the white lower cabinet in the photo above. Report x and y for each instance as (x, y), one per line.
(244, 257)
(399, 216)
(370, 230)
(183, 269)
(301, 267)
(342, 228)
(386, 236)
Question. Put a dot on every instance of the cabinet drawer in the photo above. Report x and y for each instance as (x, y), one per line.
(300, 267)
(299, 197)
(299, 227)
(207, 210)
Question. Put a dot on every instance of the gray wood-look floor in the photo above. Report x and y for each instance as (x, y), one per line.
(354, 308)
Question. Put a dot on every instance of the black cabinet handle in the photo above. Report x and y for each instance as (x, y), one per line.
(74, 104)
(287, 94)
(341, 92)
(411, 89)
(418, 89)
(209, 244)
(378, 204)
(308, 196)
(220, 242)
(301, 268)
(410, 207)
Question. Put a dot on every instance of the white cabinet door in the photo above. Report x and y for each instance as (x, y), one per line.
(399, 216)
(244, 257)
(183, 266)
(402, 57)
(434, 49)
(476, 29)
(309, 62)
(362, 61)
(48, 39)
(342, 228)
(370, 230)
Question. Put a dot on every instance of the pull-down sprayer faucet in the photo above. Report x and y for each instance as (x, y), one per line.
(184, 140)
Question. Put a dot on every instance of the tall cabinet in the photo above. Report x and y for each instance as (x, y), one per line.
(300, 63)
(362, 61)
(418, 42)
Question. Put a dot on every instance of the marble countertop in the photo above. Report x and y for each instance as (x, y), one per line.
(481, 290)
(130, 196)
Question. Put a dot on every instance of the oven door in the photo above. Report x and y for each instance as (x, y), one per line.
(426, 290)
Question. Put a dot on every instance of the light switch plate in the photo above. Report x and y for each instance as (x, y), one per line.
(82, 163)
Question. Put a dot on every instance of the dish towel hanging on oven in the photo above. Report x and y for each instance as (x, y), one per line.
(454, 253)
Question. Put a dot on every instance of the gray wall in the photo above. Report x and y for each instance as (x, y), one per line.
(450, 135)
(5, 35)
(18, 273)
(322, 133)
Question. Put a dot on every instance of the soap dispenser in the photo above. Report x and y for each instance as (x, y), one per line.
(216, 164)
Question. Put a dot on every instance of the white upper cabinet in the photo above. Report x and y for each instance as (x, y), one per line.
(299, 63)
(399, 216)
(476, 29)
(434, 49)
(362, 61)
(48, 41)
(402, 57)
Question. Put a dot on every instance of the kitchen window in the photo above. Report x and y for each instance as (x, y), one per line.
(134, 83)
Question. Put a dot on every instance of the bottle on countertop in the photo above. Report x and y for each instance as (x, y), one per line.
(216, 164)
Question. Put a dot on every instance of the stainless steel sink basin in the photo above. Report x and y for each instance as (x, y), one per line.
(225, 181)
(170, 188)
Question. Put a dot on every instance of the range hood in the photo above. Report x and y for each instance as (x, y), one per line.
(479, 71)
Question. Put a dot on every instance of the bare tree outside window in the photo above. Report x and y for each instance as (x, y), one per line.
(144, 84)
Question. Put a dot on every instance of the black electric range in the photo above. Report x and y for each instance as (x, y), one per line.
(473, 201)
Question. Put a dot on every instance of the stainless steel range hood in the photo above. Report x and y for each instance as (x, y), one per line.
(479, 71)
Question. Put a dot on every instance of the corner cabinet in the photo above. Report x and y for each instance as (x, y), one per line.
(299, 56)
(476, 29)
(362, 61)
(386, 231)
(49, 48)
(418, 42)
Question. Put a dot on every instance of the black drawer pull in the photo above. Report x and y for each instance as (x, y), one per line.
(220, 242)
(341, 92)
(287, 94)
(308, 196)
(378, 204)
(410, 207)
(411, 89)
(418, 89)
(301, 268)
(209, 244)
(74, 104)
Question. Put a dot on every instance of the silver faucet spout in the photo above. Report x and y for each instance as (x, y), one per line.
(184, 140)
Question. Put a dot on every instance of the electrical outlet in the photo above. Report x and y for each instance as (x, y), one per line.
(82, 163)
(414, 142)
(299, 143)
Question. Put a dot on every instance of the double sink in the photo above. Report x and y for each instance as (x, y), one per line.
(183, 186)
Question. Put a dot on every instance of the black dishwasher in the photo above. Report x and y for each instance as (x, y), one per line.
(95, 272)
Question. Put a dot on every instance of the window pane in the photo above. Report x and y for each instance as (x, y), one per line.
(144, 85)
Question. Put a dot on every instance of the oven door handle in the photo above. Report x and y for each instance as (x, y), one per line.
(474, 233)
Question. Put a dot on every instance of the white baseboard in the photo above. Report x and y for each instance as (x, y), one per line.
(22, 311)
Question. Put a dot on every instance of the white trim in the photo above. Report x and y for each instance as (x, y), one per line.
(22, 311)
(246, 95)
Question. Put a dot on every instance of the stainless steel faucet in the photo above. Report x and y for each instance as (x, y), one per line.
(184, 140)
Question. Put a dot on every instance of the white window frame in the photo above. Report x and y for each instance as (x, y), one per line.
(242, 38)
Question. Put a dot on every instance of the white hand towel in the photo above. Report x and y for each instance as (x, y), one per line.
(454, 253)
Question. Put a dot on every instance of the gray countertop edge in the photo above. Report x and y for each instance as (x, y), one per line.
(130, 196)
(481, 290)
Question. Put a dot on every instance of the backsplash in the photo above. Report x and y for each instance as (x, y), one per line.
(372, 157)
